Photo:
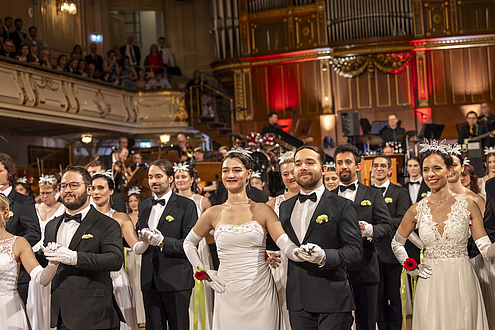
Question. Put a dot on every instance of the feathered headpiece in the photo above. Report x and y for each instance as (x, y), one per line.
(490, 150)
(434, 146)
(256, 174)
(243, 151)
(50, 179)
(330, 165)
(181, 167)
(107, 173)
(466, 161)
(286, 156)
(133, 190)
(454, 149)
(22, 180)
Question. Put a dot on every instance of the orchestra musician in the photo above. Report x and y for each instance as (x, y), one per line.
(487, 120)
(471, 128)
(393, 132)
(272, 121)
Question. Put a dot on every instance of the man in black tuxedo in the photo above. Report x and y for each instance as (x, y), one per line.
(318, 292)
(166, 274)
(376, 225)
(416, 186)
(90, 248)
(272, 122)
(132, 51)
(93, 58)
(6, 34)
(8, 48)
(393, 132)
(24, 221)
(397, 200)
(18, 36)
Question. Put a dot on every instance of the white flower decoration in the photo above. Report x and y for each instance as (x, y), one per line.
(433, 145)
(181, 167)
(22, 180)
(286, 156)
(330, 165)
(466, 161)
(454, 149)
(256, 174)
(133, 190)
(490, 150)
(50, 179)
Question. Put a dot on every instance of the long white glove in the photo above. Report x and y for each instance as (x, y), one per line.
(190, 243)
(487, 249)
(312, 253)
(140, 247)
(414, 238)
(423, 270)
(152, 237)
(288, 248)
(43, 276)
(60, 254)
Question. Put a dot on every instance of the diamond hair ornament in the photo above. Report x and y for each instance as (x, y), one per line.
(181, 167)
(50, 179)
(133, 190)
(243, 151)
(22, 180)
(256, 174)
(107, 173)
(434, 146)
(490, 150)
(465, 161)
(330, 165)
(454, 149)
(286, 156)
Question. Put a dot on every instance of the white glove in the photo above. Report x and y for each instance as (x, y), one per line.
(487, 249)
(152, 237)
(61, 254)
(190, 243)
(367, 231)
(288, 247)
(43, 276)
(423, 270)
(312, 253)
(140, 247)
(414, 238)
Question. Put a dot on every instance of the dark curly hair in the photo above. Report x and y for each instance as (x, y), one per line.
(347, 147)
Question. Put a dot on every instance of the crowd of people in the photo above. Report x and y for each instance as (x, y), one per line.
(121, 66)
(325, 252)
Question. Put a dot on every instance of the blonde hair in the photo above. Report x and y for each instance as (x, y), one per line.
(4, 204)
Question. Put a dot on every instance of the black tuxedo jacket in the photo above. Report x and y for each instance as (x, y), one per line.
(16, 39)
(388, 135)
(488, 218)
(137, 53)
(24, 222)
(98, 62)
(324, 289)
(398, 202)
(376, 214)
(169, 268)
(423, 190)
(83, 294)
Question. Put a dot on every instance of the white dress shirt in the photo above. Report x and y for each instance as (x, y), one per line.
(349, 194)
(302, 213)
(157, 210)
(166, 56)
(414, 189)
(386, 184)
(67, 229)
(129, 51)
(7, 191)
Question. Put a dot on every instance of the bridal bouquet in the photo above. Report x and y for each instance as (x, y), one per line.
(410, 264)
(201, 274)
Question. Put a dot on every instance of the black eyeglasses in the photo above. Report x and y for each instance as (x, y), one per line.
(71, 185)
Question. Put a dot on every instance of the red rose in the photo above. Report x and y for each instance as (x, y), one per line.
(410, 264)
(266, 255)
(200, 275)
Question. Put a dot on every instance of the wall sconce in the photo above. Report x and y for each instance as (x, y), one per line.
(86, 138)
(165, 138)
(68, 7)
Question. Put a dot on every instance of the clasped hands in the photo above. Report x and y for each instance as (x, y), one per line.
(150, 236)
(56, 253)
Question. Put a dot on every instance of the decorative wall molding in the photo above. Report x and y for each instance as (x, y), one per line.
(353, 66)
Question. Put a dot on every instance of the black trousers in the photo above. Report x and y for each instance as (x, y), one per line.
(389, 300)
(167, 307)
(366, 299)
(303, 320)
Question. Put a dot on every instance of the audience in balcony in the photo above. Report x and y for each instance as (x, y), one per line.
(77, 52)
(94, 58)
(72, 67)
(111, 66)
(127, 74)
(158, 82)
(61, 63)
(154, 60)
(34, 54)
(25, 54)
(132, 51)
(32, 39)
(81, 68)
(6, 34)
(46, 58)
(92, 72)
(9, 49)
(167, 58)
(142, 82)
(106, 78)
(18, 36)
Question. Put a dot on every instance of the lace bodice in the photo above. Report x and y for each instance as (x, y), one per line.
(278, 201)
(453, 242)
(9, 267)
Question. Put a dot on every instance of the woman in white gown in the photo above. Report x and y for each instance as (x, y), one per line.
(280, 260)
(490, 168)
(186, 186)
(13, 251)
(38, 302)
(103, 187)
(448, 294)
(245, 293)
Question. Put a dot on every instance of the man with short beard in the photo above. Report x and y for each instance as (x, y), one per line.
(375, 223)
(166, 274)
(318, 291)
(89, 248)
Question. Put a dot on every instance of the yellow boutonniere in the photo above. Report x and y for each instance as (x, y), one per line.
(321, 219)
(366, 203)
(423, 195)
(87, 236)
(388, 200)
(11, 214)
(169, 218)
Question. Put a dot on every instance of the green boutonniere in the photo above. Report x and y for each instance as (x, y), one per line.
(423, 195)
(321, 219)
(87, 236)
(366, 203)
(388, 200)
(169, 218)
(11, 214)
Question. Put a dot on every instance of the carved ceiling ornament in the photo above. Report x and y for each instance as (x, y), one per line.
(353, 66)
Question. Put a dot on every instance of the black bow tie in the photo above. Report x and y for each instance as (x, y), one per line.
(302, 198)
(382, 189)
(344, 188)
(68, 217)
(414, 182)
(158, 201)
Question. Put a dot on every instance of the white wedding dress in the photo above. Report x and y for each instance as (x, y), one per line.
(451, 299)
(250, 299)
(12, 313)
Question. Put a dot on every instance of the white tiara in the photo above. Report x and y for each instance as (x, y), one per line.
(243, 151)
(330, 165)
(466, 161)
(256, 174)
(454, 149)
(433, 145)
(181, 167)
(490, 150)
(133, 190)
(22, 180)
(50, 179)
(286, 156)
(107, 173)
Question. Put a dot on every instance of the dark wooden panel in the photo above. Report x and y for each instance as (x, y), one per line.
(403, 87)
(458, 75)
(306, 32)
(259, 92)
(363, 88)
(475, 74)
(269, 37)
(342, 93)
(438, 81)
(491, 71)
(382, 87)
(476, 17)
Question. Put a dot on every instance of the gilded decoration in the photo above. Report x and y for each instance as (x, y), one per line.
(103, 108)
(353, 66)
(180, 112)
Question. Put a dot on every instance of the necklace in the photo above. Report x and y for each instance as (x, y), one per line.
(446, 199)
(234, 203)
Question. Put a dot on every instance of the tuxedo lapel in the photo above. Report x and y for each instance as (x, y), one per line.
(361, 191)
(144, 216)
(51, 235)
(84, 227)
(285, 219)
(320, 209)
